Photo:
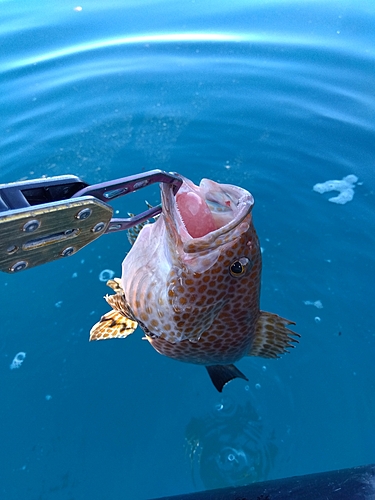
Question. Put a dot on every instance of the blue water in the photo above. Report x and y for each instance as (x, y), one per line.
(273, 96)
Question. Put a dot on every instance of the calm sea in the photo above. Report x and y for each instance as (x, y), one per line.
(274, 96)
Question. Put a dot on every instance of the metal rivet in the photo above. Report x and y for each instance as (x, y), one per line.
(19, 266)
(84, 214)
(12, 249)
(31, 226)
(67, 251)
(98, 227)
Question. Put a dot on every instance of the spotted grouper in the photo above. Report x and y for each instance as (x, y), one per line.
(191, 281)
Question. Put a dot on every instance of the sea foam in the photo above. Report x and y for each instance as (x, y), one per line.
(345, 187)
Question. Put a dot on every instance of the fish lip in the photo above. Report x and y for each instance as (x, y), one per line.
(176, 227)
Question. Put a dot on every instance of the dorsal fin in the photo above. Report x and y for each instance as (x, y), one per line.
(134, 231)
(222, 374)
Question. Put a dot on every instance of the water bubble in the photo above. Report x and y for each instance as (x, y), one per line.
(225, 408)
(317, 319)
(231, 458)
(17, 360)
(106, 274)
(317, 303)
(258, 386)
(233, 463)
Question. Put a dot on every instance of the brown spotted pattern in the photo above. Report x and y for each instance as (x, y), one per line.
(194, 309)
(233, 303)
(112, 325)
(197, 299)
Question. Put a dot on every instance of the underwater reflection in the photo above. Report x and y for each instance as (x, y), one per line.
(230, 446)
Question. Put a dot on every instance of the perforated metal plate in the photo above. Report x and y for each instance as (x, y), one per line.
(31, 236)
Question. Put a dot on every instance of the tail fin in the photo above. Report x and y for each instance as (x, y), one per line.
(222, 374)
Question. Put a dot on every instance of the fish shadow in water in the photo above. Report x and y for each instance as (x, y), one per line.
(229, 446)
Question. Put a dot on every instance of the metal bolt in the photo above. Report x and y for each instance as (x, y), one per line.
(12, 249)
(30, 226)
(67, 251)
(84, 214)
(98, 227)
(19, 266)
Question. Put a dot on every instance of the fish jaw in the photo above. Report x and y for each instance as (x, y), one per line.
(230, 208)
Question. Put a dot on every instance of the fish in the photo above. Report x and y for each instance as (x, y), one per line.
(191, 281)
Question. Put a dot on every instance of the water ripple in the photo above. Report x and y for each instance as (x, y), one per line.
(249, 73)
(168, 38)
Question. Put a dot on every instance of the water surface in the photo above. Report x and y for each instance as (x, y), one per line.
(276, 97)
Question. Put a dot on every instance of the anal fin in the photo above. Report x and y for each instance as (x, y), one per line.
(272, 337)
(222, 374)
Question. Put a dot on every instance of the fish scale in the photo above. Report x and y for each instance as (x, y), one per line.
(197, 298)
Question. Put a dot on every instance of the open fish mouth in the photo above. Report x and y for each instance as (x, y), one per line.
(201, 217)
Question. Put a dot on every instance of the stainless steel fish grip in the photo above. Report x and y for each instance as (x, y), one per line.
(46, 219)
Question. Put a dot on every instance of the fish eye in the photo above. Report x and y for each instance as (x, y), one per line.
(239, 267)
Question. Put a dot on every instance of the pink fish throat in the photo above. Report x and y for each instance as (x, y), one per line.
(195, 214)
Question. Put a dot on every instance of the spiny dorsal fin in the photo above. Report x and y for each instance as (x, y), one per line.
(119, 304)
(118, 301)
(134, 231)
(222, 374)
(272, 338)
(116, 285)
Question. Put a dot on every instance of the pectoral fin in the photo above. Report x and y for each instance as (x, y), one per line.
(272, 337)
(112, 325)
(118, 323)
(222, 374)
